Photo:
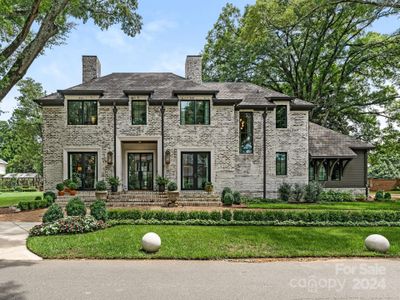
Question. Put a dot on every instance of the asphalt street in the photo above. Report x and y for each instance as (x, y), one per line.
(158, 279)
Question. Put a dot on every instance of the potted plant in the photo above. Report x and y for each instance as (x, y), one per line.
(114, 182)
(72, 188)
(60, 188)
(161, 183)
(101, 190)
(172, 193)
(66, 183)
(208, 187)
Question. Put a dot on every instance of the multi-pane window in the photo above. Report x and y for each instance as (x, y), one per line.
(281, 163)
(82, 112)
(196, 170)
(323, 172)
(82, 168)
(139, 112)
(195, 112)
(246, 132)
(281, 116)
(337, 172)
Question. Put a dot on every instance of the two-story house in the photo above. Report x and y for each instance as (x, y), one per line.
(235, 134)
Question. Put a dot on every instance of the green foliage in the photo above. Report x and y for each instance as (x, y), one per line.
(21, 135)
(60, 187)
(34, 204)
(51, 194)
(297, 192)
(38, 198)
(285, 191)
(98, 210)
(226, 215)
(53, 213)
(101, 185)
(68, 225)
(228, 199)
(161, 181)
(379, 196)
(18, 189)
(312, 191)
(49, 200)
(387, 196)
(236, 198)
(226, 190)
(321, 51)
(335, 196)
(113, 181)
(172, 186)
(72, 185)
(75, 207)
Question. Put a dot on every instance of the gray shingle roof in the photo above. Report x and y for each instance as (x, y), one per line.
(326, 143)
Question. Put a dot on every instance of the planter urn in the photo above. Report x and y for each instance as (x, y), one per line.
(101, 195)
(172, 198)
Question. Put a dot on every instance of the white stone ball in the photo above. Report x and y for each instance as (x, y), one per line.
(151, 242)
(377, 242)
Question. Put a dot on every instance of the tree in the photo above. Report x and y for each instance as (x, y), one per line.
(321, 51)
(28, 27)
(21, 136)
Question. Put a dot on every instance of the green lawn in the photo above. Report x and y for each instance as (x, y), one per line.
(8, 199)
(215, 242)
(331, 205)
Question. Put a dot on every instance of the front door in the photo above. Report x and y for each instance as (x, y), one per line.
(140, 171)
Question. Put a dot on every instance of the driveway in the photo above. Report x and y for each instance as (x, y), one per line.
(13, 237)
(152, 279)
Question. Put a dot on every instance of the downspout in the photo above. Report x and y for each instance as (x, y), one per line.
(115, 110)
(264, 115)
(366, 173)
(162, 138)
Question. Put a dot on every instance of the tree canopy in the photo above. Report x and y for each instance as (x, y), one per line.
(21, 135)
(28, 27)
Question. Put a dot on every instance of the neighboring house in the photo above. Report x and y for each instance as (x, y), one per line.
(3, 167)
(234, 134)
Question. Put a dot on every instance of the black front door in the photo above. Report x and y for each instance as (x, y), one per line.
(195, 170)
(140, 171)
(82, 168)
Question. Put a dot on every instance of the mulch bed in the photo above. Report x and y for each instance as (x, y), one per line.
(23, 216)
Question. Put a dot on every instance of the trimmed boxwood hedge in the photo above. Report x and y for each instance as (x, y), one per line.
(258, 216)
(34, 204)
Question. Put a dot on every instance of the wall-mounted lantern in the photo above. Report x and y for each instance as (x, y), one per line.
(109, 158)
(167, 157)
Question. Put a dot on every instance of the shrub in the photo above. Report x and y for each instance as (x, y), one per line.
(226, 190)
(51, 194)
(68, 225)
(379, 196)
(215, 215)
(387, 196)
(18, 189)
(236, 197)
(60, 187)
(312, 191)
(172, 186)
(285, 191)
(38, 198)
(228, 199)
(53, 213)
(34, 204)
(297, 192)
(49, 200)
(335, 196)
(72, 185)
(226, 215)
(98, 210)
(75, 207)
(101, 185)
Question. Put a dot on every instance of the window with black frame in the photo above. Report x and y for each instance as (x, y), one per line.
(82, 168)
(246, 132)
(196, 171)
(323, 171)
(281, 163)
(281, 116)
(337, 171)
(139, 112)
(195, 112)
(82, 112)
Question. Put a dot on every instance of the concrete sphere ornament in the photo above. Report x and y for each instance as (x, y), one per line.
(151, 242)
(377, 242)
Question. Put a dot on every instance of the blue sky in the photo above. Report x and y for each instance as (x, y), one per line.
(171, 30)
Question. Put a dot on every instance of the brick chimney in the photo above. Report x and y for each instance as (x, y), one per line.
(91, 68)
(193, 68)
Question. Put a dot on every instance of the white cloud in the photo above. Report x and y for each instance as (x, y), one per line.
(112, 37)
(152, 28)
(173, 61)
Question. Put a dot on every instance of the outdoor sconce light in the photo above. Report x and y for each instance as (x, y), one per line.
(109, 158)
(167, 157)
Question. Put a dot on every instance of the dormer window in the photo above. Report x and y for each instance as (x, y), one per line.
(195, 112)
(139, 112)
(82, 112)
(281, 116)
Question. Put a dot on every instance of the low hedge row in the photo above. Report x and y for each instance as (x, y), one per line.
(251, 223)
(258, 216)
(34, 204)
